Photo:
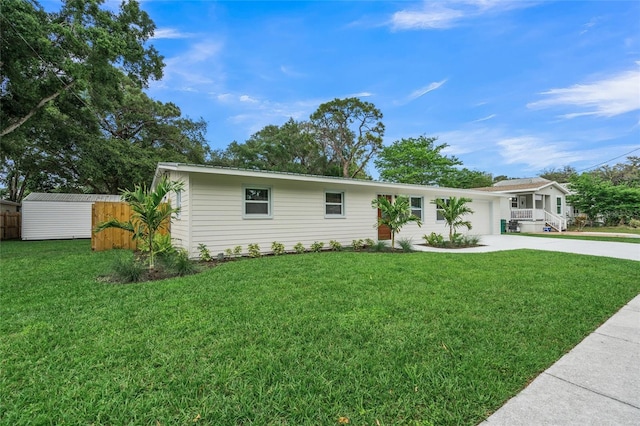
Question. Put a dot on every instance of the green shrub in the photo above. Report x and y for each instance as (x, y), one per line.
(205, 254)
(299, 248)
(357, 244)
(457, 239)
(237, 250)
(228, 252)
(379, 246)
(470, 240)
(634, 223)
(434, 240)
(180, 263)
(405, 244)
(335, 246)
(369, 242)
(317, 246)
(254, 250)
(128, 270)
(277, 248)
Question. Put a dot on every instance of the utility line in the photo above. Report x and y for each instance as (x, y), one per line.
(605, 162)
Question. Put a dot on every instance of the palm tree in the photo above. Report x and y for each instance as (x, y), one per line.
(452, 210)
(394, 215)
(151, 213)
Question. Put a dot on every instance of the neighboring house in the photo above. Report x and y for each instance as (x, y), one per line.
(535, 203)
(224, 207)
(9, 206)
(59, 216)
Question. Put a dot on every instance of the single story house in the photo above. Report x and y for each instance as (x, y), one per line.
(534, 203)
(48, 216)
(225, 207)
(9, 206)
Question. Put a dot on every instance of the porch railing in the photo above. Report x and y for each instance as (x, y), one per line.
(527, 214)
(557, 222)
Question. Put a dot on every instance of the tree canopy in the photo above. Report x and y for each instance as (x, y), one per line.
(350, 131)
(417, 161)
(74, 114)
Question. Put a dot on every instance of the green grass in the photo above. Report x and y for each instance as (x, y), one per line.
(623, 229)
(632, 240)
(417, 339)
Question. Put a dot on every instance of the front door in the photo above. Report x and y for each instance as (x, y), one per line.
(522, 202)
(384, 232)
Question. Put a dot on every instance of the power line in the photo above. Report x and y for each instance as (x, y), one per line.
(605, 162)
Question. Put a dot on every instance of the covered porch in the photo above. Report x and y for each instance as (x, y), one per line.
(533, 212)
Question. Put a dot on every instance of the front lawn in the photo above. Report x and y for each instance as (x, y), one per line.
(318, 338)
(604, 237)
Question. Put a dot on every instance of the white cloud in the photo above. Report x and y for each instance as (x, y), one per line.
(615, 95)
(195, 67)
(247, 98)
(422, 91)
(360, 95)
(537, 153)
(289, 72)
(447, 14)
(170, 33)
(488, 117)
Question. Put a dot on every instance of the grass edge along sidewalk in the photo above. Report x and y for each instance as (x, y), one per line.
(420, 338)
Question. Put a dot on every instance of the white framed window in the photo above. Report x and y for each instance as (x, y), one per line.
(416, 206)
(256, 202)
(514, 202)
(439, 213)
(179, 204)
(558, 205)
(333, 204)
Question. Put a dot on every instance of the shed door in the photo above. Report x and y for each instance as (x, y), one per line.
(384, 232)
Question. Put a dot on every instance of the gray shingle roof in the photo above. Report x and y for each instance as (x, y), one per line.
(71, 198)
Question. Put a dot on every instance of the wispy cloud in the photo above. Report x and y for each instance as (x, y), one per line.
(360, 95)
(194, 67)
(537, 153)
(488, 117)
(289, 72)
(447, 14)
(421, 92)
(170, 33)
(615, 95)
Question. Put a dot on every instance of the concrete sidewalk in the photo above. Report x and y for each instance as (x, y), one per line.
(513, 242)
(596, 383)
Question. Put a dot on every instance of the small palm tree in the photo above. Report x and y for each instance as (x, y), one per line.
(452, 211)
(150, 213)
(394, 215)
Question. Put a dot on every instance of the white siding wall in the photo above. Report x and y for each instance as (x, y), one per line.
(180, 224)
(298, 214)
(50, 220)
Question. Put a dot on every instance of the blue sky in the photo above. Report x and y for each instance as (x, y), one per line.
(512, 87)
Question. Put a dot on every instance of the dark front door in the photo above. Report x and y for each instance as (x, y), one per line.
(384, 232)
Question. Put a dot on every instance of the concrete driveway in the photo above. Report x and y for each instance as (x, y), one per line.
(513, 242)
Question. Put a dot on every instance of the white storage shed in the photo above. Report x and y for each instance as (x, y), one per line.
(59, 216)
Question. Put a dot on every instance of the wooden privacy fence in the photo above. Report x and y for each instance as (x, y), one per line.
(112, 238)
(10, 226)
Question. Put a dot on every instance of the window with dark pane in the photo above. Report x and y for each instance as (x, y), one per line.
(334, 203)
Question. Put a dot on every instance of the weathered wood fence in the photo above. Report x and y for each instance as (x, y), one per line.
(111, 238)
(10, 226)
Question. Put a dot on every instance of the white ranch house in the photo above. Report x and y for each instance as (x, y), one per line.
(225, 207)
(534, 203)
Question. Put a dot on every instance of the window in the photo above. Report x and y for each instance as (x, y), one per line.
(514, 202)
(334, 204)
(257, 202)
(416, 207)
(179, 204)
(439, 213)
(559, 205)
